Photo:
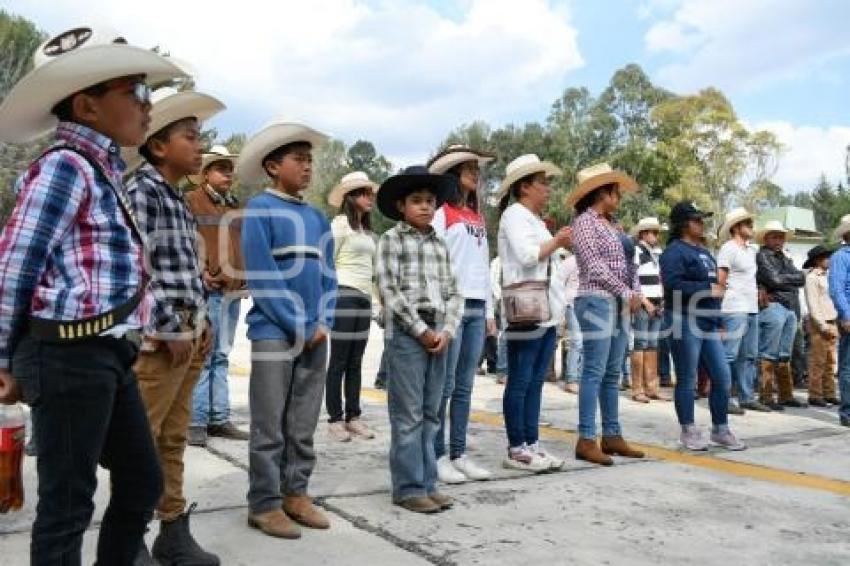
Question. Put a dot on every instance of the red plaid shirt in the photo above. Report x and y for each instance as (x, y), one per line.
(601, 259)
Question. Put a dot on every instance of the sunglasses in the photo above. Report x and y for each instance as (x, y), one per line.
(142, 92)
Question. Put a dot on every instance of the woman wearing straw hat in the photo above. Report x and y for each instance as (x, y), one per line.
(693, 319)
(354, 256)
(533, 307)
(608, 292)
(781, 282)
(460, 223)
(736, 262)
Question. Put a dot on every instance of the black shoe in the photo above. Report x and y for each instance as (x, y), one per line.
(175, 544)
(845, 421)
(756, 406)
(815, 402)
(795, 403)
(832, 401)
(228, 430)
(197, 436)
(144, 558)
(774, 406)
(734, 409)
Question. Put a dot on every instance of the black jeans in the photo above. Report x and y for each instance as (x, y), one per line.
(88, 411)
(352, 320)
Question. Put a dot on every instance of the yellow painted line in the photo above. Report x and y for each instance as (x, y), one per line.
(741, 469)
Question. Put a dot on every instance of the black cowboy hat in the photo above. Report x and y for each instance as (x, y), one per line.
(815, 254)
(412, 179)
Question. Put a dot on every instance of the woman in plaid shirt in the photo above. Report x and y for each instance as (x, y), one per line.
(608, 292)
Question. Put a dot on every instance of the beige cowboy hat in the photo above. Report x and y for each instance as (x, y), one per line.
(595, 176)
(769, 227)
(842, 228)
(68, 63)
(522, 167)
(733, 218)
(215, 154)
(350, 182)
(455, 155)
(273, 136)
(649, 223)
(169, 106)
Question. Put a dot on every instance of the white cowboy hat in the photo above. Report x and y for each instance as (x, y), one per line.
(522, 167)
(267, 140)
(591, 178)
(648, 223)
(455, 155)
(216, 153)
(68, 63)
(350, 182)
(842, 228)
(169, 106)
(770, 226)
(733, 218)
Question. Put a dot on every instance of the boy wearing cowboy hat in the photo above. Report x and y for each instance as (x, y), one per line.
(781, 282)
(646, 323)
(72, 288)
(823, 331)
(178, 337)
(288, 251)
(736, 263)
(423, 306)
(839, 291)
(211, 202)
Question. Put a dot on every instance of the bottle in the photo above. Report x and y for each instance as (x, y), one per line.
(12, 435)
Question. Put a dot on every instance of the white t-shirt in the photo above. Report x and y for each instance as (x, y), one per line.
(741, 288)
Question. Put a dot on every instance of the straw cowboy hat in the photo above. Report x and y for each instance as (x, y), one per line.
(843, 227)
(815, 254)
(414, 178)
(591, 178)
(169, 106)
(350, 182)
(649, 223)
(522, 167)
(70, 62)
(770, 227)
(733, 218)
(273, 136)
(215, 154)
(455, 155)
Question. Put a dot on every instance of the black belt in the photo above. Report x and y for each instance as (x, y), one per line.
(72, 330)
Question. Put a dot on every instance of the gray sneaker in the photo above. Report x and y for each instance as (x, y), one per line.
(692, 439)
(197, 436)
(727, 440)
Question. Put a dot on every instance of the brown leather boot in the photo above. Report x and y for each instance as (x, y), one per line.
(650, 376)
(637, 377)
(301, 509)
(588, 450)
(275, 523)
(768, 377)
(617, 446)
(785, 381)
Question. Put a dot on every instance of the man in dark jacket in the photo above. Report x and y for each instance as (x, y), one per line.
(779, 284)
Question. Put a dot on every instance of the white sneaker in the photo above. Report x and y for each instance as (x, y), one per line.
(448, 473)
(692, 439)
(526, 461)
(555, 463)
(727, 440)
(338, 432)
(470, 469)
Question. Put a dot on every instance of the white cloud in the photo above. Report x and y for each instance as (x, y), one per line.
(747, 45)
(809, 152)
(401, 74)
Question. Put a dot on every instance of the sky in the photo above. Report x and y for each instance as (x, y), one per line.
(404, 73)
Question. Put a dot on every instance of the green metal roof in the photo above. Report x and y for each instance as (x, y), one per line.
(801, 220)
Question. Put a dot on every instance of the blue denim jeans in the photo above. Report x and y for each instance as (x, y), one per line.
(605, 332)
(664, 358)
(211, 397)
(645, 329)
(414, 393)
(464, 353)
(694, 341)
(529, 355)
(844, 375)
(777, 327)
(502, 350)
(742, 346)
(571, 368)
